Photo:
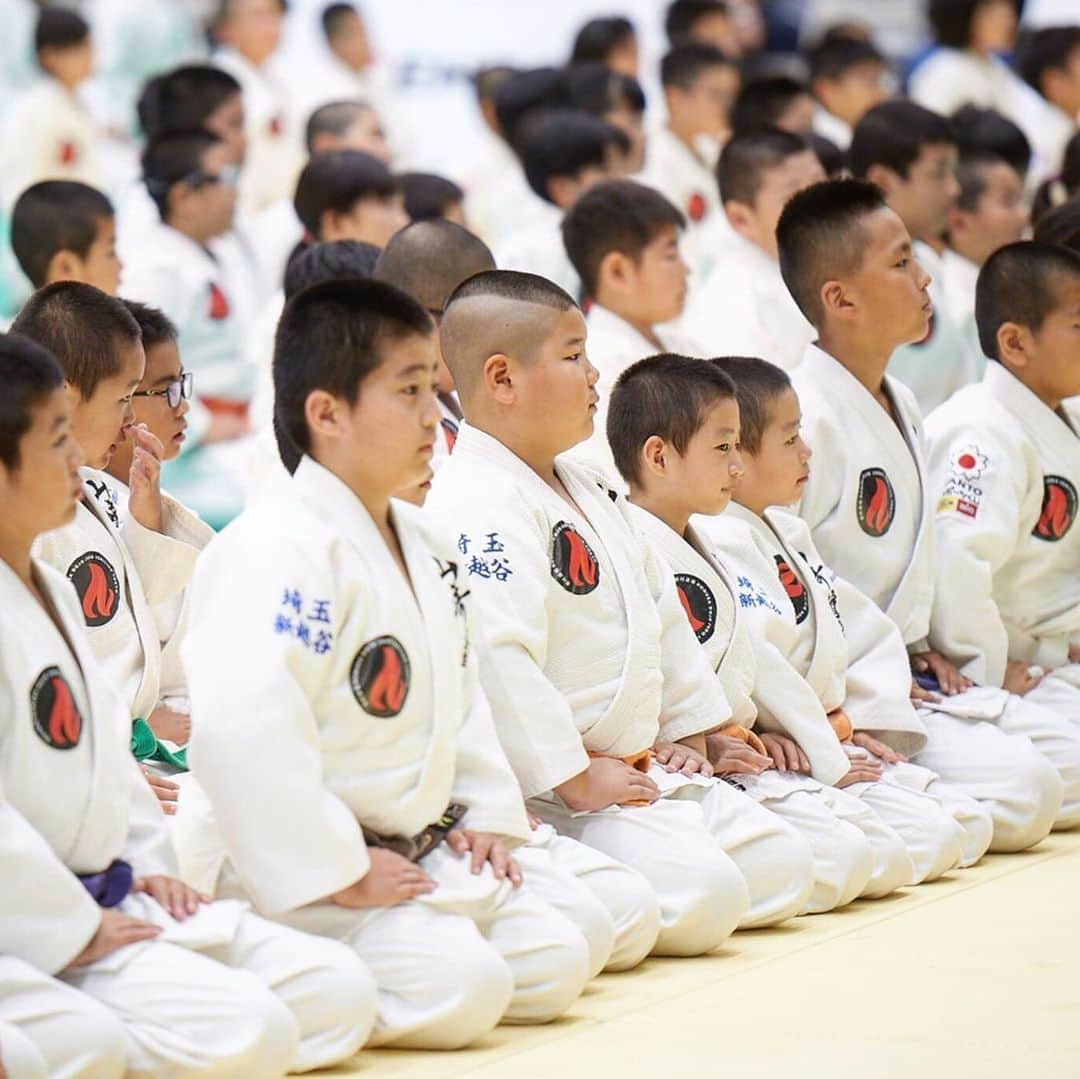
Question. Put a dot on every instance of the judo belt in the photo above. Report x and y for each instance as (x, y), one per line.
(146, 747)
(744, 734)
(423, 843)
(111, 886)
(639, 762)
(225, 406)
(841, 724)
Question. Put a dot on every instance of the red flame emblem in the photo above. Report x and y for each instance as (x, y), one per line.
(98, 587)
(379, 677)
(219, 304)
(450, 430)
(1058, 509)
(876, 503)
(696, 206)
(573, 563)
(794, 588)
(696, 624)
(69, 152)
(56, 716)
(699, 604)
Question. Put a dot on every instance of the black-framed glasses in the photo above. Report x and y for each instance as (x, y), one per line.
(179, 389)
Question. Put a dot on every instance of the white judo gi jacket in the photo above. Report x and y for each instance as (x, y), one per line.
(1004, 484)
(585, 645)
(366, 711)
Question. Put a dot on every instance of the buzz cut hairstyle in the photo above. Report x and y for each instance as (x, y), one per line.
(563, 143)
(333, 118)
(986, 132)
(429, 259)
(513, 285)
(523, 93)
(336, 181)
(763, 101)
(1019, 283)
(666, 395)
(596, 39)
(684, 63)
(614, 215)
(951, 20)
(1048, 49)
(184, 99)
(682, 15)
(331, 337)
(748, 155)
(758, 385)
(334, 17)
(428, 195)
(833, 57)
(59, 28)
(29, 373)
(894, 134)
(1060, 226)
(172, 157)
(821, 235)
(311, 264)
(155, 327)
(82, 327)
(53, 216)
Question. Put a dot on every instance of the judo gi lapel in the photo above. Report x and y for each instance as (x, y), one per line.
(1057, 442)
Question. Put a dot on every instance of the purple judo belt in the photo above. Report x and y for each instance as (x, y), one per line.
(111, 886)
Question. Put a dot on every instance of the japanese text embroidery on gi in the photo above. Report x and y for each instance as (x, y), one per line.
(486, 559)
(308, 622)
(752, 596)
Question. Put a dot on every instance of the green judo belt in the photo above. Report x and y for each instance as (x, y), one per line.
(146, 747)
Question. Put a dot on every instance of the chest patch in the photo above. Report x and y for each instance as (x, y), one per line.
(573, 563)
(1058, 509)
(699, 603)
(696, 206)
(875, 506)
(218, 308)
(450, 432)
(379, 677)
(56, 717)
(98, 587)
(795, 589)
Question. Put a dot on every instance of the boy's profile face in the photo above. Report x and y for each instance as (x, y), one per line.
(169, 424)
(370, 220)
(1053, 355)
(101, 267)
(705, 105)
(227, 122)
(41, 492)
(70, 65)
(349, 43)
(214, 200)
(253, 28)
(776, 474)
(925, 196)
(99, 422)
(706, 475)
(999, 217)
(758, 222)
(366, 133)
(1062, 85)
(993, 26)
(798, 117)
(657, 279)
(855, 92)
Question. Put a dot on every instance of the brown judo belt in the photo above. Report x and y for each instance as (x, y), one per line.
(423, 843)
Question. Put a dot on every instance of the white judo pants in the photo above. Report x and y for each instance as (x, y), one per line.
(266, 1002)
(49, 1029)
(1019, 787)
(451, 965)
(613, 906)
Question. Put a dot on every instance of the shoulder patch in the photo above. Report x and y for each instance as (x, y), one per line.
(379, 677)
(795, 589)
(1058, 509)
(573, 563)
(875, 504)
(56, 716)
(98, 587)
(699, 603)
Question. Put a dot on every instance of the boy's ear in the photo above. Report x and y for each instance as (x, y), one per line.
(563, 190)
(741, 217)
(497, 378)
(653, 454)
(322, 413)
(887, 179)
(835, 300)
(63, 266)
(1014, 344)
(615, 269)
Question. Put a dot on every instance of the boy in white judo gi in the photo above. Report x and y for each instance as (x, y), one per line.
(91, 894)
(383, 805)
(674, 431)
(585, 652)
(848, 77)
(623, 239)
(845, 648)
(847, 259)
(1004, 466)
(743, 307)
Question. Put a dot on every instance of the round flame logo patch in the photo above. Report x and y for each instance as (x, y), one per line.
(98, 587)
(875, 506)
(573, 563)
(56, 716)
(1058, 509)
(699, 603)
(379, 677)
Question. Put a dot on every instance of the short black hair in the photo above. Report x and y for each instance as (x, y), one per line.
(1061, 225)
(311, 264)
(1061, 188)
(598, 37)
(486, 80)
(172, 157)
(331, 337)
(1040, 51)
(666, 395)
(524, 93)
(597, 90)
(155, 327)
(951, 20)
(183, 99)
(683, 65)
(758, 384)
(833, 159)
(833, 57)
(334, 17)
(513, 285)
(81, 326)
(28, 373)
(614, 215)
(894, 134)
(763, 101)
(428, 195)
(562, 143)
(972, 170)
(986, 131)
(429, 259)
(336, 181)
(748, 155)
(683, 14)
(1018, 283)
(820, 235)
(333, 118)
(52, 216)
(59, 28)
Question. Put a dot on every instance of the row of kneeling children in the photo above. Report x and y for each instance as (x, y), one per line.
(434, 749)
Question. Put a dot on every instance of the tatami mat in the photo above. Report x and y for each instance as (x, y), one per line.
(973, 977)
